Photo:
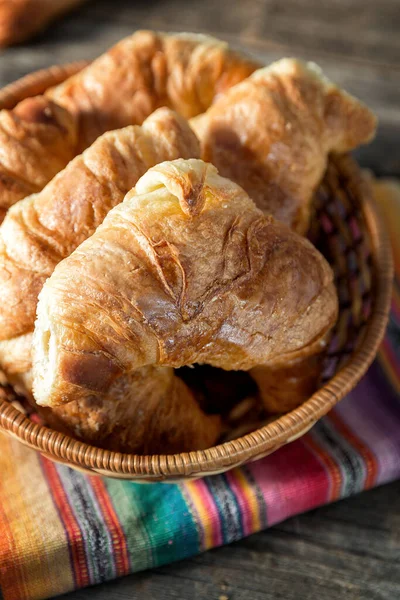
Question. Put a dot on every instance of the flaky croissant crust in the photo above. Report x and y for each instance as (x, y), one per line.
(273, 132)
(125, 85)
(44, 228)
(186, 270)
(37, 139)
(182, 71)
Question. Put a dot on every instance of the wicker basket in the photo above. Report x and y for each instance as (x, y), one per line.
(348, 230)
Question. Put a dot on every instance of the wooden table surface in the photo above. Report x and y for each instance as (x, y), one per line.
(350, 549)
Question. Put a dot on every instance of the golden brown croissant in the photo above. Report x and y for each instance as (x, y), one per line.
(42, 229)
(273, 132)
(19, 19)
(124, 86)
(37, 140)
(147, 70)
(186, 270)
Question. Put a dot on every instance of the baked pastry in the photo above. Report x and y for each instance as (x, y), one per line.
(19, 19)
(149, 70)
(44, 228)
(150, 411)
(290, 380)
(185, 270)
(185, 72)
(273, 132)
(37, 139)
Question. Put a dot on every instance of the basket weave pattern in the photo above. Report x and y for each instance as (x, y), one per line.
(347, 229)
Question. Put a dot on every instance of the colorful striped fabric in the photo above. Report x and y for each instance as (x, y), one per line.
(61, 530)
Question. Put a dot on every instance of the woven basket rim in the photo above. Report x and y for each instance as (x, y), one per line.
(231, 453)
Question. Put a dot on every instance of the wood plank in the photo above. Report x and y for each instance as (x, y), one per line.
(360, 29)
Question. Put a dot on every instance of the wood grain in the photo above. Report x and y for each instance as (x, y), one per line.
(350, 549)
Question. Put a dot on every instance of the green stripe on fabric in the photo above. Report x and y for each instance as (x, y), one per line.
(128, 513)
(157, 522)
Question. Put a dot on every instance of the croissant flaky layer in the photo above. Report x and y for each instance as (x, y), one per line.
(44, 228)
(148, 69)
(186, 270)
(37, 139)
(273, 132)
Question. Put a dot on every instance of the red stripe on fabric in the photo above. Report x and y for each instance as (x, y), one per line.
(71, 525)
(292, 480)
(120, 549)
(332, 468)
(364, 451)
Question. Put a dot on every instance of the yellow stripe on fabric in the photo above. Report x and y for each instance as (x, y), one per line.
(248, 491)
(37, 564)
(195, 494)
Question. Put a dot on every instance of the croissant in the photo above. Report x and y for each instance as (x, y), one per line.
(44, 228)
(19, 19)
(185, 270)
(37, 139)
(182, 71)
(273, 132)
(124, 86)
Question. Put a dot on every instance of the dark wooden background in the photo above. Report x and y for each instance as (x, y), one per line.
(350, 549)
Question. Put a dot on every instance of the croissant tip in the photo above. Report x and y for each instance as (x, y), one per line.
(184, 179)
(193, 195)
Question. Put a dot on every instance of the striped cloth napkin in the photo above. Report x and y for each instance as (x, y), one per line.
(61, 530)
